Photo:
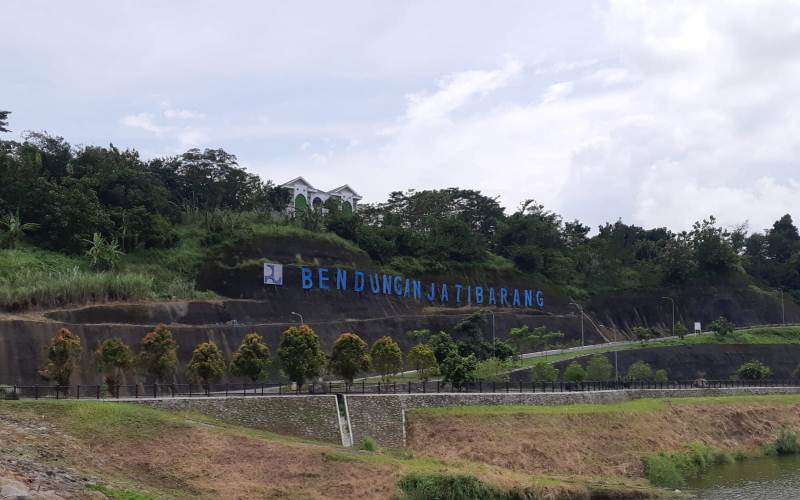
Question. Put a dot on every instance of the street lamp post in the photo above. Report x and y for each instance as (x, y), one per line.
(673, 313)
(299, 316)
(580, 310)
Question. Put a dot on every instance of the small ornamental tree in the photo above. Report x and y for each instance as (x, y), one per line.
(574, 373)
(754, 370)
(681, 330)
(660, 376)
(543, 371)
(639, 371)
(458, 370)
(251, 360)
(387, 358)
(721, 327)
(349, 357)
(112, 358)
(159, 353)
(63, 355)
(422, 359)
(300, 354)
(207, 364)
(599, 369)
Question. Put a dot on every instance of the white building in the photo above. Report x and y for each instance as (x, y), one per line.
(304, 195)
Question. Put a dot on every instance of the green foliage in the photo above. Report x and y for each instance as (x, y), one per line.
(642, 333)
(422, 359)
(63, 356)
(681, 330)
(158, 356)
(753, 370)
(660, 376)
(12, 229)
(492, 370)
(420, 336)
(447, 487)
(785, 444)
(350, 356)
(662, 470)
(640, 371)
(387, 358)
(368, 444)
(458, 370)
(207, 364)
(103, 254)
(252, 358)
(113, 357)
(119, 494)
(574, 373)
(300, 354)
(599, 369)
(543, 371)
(442, 346)
(527, 340)
(672, 470)
(721, 327)
(4, 121)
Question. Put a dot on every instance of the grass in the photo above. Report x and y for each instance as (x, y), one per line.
(672, 470)
(119, 494)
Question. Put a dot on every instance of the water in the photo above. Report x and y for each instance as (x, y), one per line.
(756, 479)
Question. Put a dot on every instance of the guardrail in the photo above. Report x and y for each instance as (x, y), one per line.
(160, 391)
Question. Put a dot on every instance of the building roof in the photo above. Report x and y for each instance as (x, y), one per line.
(336, 191)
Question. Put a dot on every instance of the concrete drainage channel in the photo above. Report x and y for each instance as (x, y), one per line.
(344, 421)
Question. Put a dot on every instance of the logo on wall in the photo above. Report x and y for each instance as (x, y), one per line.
(273, 274)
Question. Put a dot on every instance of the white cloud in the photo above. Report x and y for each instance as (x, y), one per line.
(142, 121)
(557, 91)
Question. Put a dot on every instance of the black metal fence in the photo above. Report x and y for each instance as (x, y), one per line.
(141, 391)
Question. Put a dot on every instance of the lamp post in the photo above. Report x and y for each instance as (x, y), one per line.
(580, 310)
(299, 316)
(673, 313)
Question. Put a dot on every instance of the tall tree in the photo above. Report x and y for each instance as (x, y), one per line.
(113, 357)
(4, 121)
(350, 356)
(207, 364)
(63, 356)
(159, 353)
(252, 359)
(300, 354)
(387, 358)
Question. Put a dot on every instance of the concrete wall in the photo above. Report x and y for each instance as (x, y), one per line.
(312, 417)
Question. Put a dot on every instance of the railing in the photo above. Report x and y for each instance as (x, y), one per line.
(151, 391)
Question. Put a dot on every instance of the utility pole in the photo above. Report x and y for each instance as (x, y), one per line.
(299, 316)
(580, 310)
(673, 313)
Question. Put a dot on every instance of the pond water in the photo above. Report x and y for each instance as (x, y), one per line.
(756, 479)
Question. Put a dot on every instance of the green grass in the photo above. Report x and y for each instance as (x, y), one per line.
(120, 494)
(672, 470)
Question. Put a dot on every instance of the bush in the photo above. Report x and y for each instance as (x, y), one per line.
(753, 370)
(458, 370)
(207, 364)
(681, 330)
(63, 356)
(368, 444)
(599, 369)
(639, 371)
(574, 373)
(159, 353)
(543, 371)
(422, 359)
(251, 359)
(492, 370)
(662, 470)
(785, 444)
(447, 487)
(671, 470)
(721, 327)
(661, 376)
(642, 333)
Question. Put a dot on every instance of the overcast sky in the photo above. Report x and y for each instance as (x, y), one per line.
(659, 114)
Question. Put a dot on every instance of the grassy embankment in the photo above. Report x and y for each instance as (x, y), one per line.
(661, 439)
(140, 453)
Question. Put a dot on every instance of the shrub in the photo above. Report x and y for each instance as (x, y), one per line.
(113, 357)
(422, 359)
(368, 444)
(458, 370)
(103, 254)
(207, 363)
(300, 354)
(574, 373)
(158, 356)
(661, 376)
(350, 356)
(641, 333)
(599, 369)
(785, 444)
(753, 370)
(662, 470)
(387, 358)
(447, 487)
(251, 359)
(681, 330)
(639, 371)
(63, 356)
(543, 371)
(492, 370)
(721, 327)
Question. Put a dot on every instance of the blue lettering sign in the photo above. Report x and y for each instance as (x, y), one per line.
(479, 295)
(375, 283)
(516, 298)
(308, 282)
(323, 277)
(432, 294)
(504, 296)
(539, 298)
(444, 293)
(408, 288)
(417, 289)
(398, 286)
(358, 286)
(492, 297)
(528, 298)
(341, 279)
(458, 293)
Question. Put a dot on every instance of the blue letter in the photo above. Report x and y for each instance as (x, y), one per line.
(375, 283)
(458, 293)
(323, 278)
(445, 298)
(469, 295)
(432, 294)
(408, 288)
(504, 296)
(358, 286)
(539, 298)
(516, 298)
(387, 284)
(307, 281)
(492, 297)
(417, 289)
(341, 279)
(528, 298)
(398, 286)
(479, 295)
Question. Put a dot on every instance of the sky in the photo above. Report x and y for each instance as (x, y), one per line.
(656, 113)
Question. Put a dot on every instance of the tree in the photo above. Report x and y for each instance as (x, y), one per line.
(681, 330)
(387, 358)
(422, 359)
(527, 340)
(543, 371)
(4, 121)
(350, 356)
(442, 345)
(419, 336)
(660, 376)
(103, 254)
(599, 369)
(252, 358)
(492, 370)
(14, 229)
(113, 357)
(574, 373)
(639, 371)
(503, 350)
(300, 354)
(642, 333)
(721, 327)
(753, 370)
(458, 370)
(159, 353)
(207, 364)
(63, 356)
